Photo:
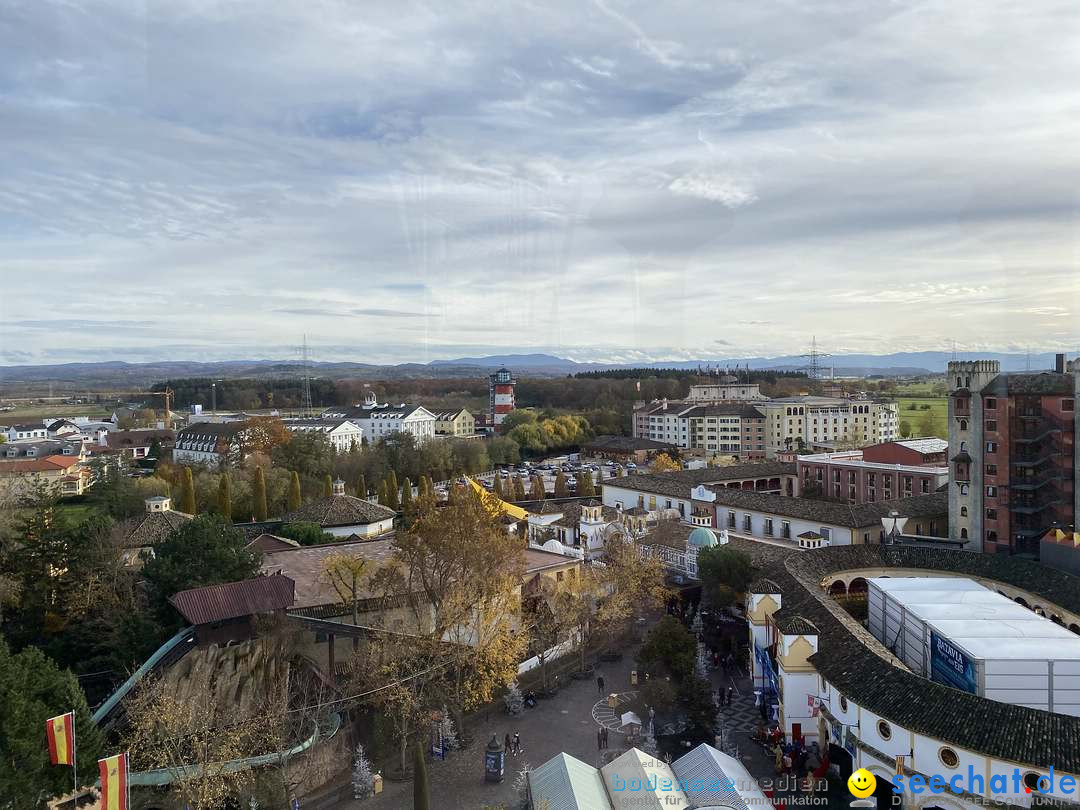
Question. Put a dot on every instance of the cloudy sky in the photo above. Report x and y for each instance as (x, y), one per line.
(605, 180)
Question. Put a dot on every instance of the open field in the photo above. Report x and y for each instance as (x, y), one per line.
(925, 388)
(932, 420)
(31, 412)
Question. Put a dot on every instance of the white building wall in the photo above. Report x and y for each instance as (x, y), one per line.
(629, 498)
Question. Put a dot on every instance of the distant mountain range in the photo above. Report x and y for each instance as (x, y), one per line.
(117, 373)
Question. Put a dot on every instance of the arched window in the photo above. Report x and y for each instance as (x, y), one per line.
(963, 446)
(963, 424)
(963, 534)
(963, 511)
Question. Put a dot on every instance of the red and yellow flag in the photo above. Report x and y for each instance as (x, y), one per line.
(60, 732)
(114, 774)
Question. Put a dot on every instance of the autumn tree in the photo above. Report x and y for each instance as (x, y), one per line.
(348, 575)
(294, 500)
(662, 462)
(518, 493)
(463, 571)
(496, 487)
(225, 498)
(634, 584)
(258, 495)
(548, 624)
(261, 434)
(584, 482)
(187, 493)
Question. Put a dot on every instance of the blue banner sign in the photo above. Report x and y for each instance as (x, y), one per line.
(951, 666)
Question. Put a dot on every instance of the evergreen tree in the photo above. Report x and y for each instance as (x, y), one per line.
(392, 490)
(258, 495)
(561, 490)
(382, 493)
(406, 498)
(496, 487)
(328, 486)
(187, 493)
(225, 497)
(361, 487)
(421, 794)
(363, 780)
(295, 500)
(585, 486)
(32, 689)
(391, 483)
(536, 492)
(519, 488)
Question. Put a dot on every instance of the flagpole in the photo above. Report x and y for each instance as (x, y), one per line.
(74, 765)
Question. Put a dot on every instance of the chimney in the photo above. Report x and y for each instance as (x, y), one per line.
(1059, 363)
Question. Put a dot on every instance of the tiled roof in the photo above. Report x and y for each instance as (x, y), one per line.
(854, 516)
(307, 567)
(150, 528)
(231, 600)
(1042, 383)
(862, 670)
(733, 409)
(626, 444)
(536, 560)
(796, 625)
(678, 483)
(47, 464)
(673, 534)
(225, 429)
(339, 510)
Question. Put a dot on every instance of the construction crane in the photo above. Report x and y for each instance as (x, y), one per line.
(167, 394)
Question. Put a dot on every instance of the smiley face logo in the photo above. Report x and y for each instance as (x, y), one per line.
(861, 783)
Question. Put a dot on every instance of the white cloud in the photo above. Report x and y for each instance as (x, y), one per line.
(413, 179)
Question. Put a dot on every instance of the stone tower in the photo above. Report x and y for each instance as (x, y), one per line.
(966, 381)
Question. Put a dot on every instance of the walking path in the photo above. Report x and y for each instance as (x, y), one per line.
(563, 723)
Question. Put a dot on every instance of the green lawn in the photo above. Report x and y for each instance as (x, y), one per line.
(933, 421)
(35, 413)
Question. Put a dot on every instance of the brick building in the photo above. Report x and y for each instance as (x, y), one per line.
(1013, 454)
(880, 472)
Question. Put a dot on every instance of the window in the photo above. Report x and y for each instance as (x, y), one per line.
(991, 536)
(558, 576)
(769, 527)
(991, 426)
(948, 757)
(990, 404)
(963, 424)
(785, 529)
(883, 730)
(991, 514)
(826, 534)
(991, 492)
(731, 520)
(1031, 780)
(963, 534)
(843, 704)
(963, 511)
(925, 486)
(991, 447)
(746, 524)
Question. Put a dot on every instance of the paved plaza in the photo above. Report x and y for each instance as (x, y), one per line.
(563, 723)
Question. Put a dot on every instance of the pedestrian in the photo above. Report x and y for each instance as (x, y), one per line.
(600, 684)
(600, 738)
(729, 693)
(507, 745)
(517, 743)
(778, 757)
(605, 737)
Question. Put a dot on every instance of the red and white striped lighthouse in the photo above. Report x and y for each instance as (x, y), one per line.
(500, 395)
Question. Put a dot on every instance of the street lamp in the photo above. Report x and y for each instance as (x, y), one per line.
(893, 526)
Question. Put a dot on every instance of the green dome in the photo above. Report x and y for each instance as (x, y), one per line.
(702, 538)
